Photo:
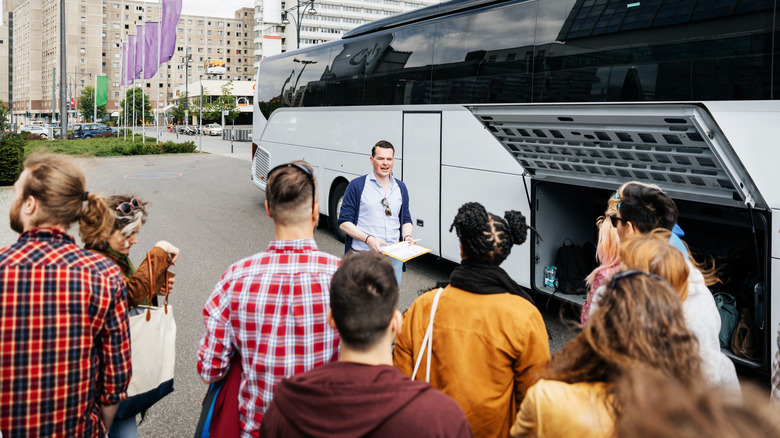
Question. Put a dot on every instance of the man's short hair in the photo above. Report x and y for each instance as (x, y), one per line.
(289, 193)
(647, 207)
(363, 298)
(382, 144)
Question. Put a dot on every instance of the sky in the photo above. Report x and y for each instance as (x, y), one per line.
(222, 8)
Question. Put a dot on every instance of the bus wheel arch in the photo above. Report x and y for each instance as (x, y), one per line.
(335, 199)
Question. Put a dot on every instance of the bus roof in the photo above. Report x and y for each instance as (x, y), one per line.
(422, 14)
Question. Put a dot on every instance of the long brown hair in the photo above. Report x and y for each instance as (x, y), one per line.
(639, 323)
(652, 253)
(657, 406)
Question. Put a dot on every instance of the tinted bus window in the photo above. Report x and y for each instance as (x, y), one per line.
(485, 57)
(403, 73)
(295, 80)
(605, 51)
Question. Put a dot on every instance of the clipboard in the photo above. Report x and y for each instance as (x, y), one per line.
(403, 251)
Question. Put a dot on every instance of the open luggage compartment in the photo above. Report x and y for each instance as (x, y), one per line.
(715, 234)
(578, 155)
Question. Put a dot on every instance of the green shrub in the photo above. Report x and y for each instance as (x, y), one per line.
(11, 158)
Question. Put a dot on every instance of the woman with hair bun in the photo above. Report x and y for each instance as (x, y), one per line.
(489, 341)
(128, 214)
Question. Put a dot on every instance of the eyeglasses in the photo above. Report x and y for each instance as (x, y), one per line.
(387, 207)
(631, 273)
(614, 219)
(303, 169)
(128, 207)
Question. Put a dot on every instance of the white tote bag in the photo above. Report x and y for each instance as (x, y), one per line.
(153, 353)
(427, 342)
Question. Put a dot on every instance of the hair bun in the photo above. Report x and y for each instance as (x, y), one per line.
(517, 226)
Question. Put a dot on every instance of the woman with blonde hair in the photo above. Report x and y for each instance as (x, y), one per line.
(653, 253)
(606, 253)
(638, 323)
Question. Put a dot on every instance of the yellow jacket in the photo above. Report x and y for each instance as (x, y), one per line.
(553, 409)
(487, 352)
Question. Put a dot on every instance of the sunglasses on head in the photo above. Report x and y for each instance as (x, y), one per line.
(614, 219)
(631, 273)
(387, 207)
(128, 207)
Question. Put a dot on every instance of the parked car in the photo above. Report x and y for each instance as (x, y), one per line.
(77, 130)
(212, 129)
(36, 129)
(89, 130)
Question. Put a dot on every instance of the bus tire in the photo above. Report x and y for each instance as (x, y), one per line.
(336, 198)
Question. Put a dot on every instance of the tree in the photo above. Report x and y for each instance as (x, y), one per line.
(212, 111)
(135, 98)
(4, 117)
(178, 111)
(87, 104)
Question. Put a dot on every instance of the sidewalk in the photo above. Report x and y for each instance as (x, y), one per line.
(7, 235)
(209, 144)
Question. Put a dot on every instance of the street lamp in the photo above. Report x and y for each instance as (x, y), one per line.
(76, 78)
(187, 59)
(300, 11)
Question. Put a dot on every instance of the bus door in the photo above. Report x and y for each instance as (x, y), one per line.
(421, 172)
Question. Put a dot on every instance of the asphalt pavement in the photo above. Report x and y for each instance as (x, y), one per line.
(206, 205)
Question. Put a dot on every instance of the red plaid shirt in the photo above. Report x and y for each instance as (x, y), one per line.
(272, 308)
(64, 340)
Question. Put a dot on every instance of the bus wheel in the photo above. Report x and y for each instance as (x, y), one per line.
(333, 210)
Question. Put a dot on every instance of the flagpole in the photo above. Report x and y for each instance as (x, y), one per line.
(143, 96)
(94, 114)
(157, 61)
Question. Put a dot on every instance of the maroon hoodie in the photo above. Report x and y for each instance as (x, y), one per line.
(347, 399)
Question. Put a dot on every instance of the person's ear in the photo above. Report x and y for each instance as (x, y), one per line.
(460, 246)
(397, 323)
(331, 321)
(30, 206)
(315, 213)
(630, 228)
(267, 209)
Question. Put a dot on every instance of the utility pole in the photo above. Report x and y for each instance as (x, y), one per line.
(53, 98)
(63, 77)
(187, 57)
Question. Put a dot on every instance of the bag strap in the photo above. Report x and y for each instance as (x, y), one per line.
(427, 341)
(151, 287)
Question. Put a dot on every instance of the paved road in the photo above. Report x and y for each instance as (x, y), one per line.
(215, 216)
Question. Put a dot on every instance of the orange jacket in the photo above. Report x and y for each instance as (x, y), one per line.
(487, 351)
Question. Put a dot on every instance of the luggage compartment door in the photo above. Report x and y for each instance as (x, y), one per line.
(678, 147)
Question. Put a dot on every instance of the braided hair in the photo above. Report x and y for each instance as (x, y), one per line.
(485, 237)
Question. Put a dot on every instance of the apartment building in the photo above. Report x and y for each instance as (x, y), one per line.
(332, 19)
(202, 37)
(95, 32)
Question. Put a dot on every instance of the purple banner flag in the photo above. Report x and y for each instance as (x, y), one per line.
(139, 51)
(171, 12)
(124, 65)
(129, 78)
(151, 44)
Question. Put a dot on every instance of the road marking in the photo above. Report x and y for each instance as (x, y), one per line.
(152, 175)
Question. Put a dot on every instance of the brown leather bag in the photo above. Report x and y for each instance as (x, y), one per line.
(743, 341)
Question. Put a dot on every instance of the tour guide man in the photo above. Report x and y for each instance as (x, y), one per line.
(375, 210)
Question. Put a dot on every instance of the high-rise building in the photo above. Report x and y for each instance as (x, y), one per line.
(332, 19)
(96, 30)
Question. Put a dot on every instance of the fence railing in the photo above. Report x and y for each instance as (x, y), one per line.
(240, 134)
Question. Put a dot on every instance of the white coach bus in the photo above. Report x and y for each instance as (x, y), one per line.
(548, 106)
